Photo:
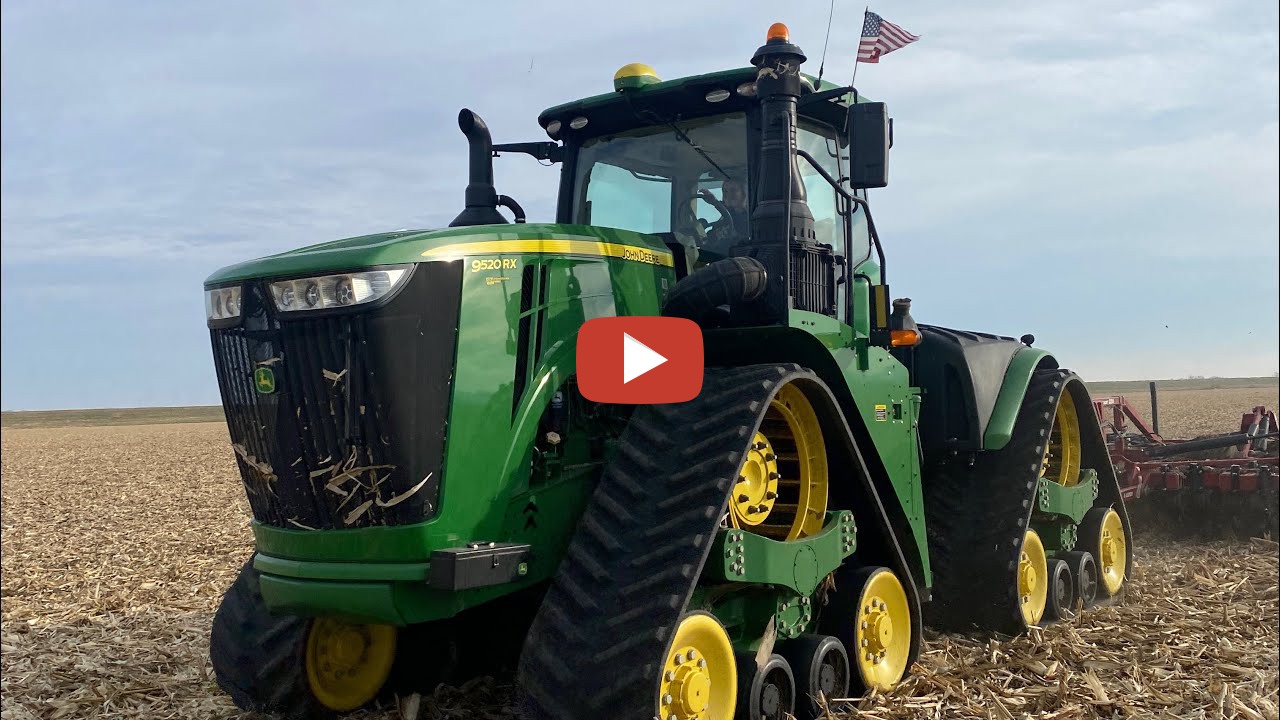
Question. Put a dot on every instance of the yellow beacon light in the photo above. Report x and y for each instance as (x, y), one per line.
(778, 31)
(634, 76)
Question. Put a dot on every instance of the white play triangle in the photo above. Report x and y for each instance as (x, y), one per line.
(637, 358)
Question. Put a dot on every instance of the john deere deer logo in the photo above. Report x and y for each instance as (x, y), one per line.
(264, 380)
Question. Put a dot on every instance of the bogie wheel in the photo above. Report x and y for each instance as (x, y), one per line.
(700, 677)
(882, 630)
(1102, 534)
(1084, 573)
(292, 666)
(1062, 592)
(347, 663)
(766, 692)
(821, 667)
(1062, 454)
(781, 490)
(1033, 579)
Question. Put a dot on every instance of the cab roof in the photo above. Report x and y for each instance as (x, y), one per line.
(684, 97)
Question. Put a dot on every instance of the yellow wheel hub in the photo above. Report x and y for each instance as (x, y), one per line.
(1062, 455)
(700, 677)
(1112, 553)
(782, 489)
(757, 488)
(1033, 579)
(347, 663)
(883, 635)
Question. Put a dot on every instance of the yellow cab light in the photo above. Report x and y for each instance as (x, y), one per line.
(634, 76)
(778, 31)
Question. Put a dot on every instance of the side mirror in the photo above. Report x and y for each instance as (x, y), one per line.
(869, 140)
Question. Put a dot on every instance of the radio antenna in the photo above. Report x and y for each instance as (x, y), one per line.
(823, 63)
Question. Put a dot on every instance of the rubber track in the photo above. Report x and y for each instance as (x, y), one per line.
(977, 514)
(258, 658)
(597, 644)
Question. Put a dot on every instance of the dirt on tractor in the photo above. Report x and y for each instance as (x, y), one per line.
(119, 541)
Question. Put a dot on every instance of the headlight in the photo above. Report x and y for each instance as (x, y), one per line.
(336, 291)
(222, 303)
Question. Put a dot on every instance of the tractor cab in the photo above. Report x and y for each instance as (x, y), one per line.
(681, 160)
(661, 158)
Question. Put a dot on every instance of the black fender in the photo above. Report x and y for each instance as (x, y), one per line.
(971, 381)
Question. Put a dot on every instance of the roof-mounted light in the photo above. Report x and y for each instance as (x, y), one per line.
(634, 76)
(778, 32)
(717, 95)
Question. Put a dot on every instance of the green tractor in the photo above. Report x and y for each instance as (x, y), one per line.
(431, 492)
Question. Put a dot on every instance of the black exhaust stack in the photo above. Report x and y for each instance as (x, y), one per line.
(781, 217)
(482, 197)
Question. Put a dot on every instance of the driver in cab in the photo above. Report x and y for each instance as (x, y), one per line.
(735, 217)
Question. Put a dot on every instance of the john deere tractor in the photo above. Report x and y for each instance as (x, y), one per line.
(431, 493)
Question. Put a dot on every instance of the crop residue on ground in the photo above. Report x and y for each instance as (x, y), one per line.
(118, 542)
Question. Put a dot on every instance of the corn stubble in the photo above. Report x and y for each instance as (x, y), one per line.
(119, 541)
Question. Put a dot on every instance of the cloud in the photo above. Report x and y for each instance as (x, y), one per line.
(143, 145)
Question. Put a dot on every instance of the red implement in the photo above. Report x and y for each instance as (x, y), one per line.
(1206, 483)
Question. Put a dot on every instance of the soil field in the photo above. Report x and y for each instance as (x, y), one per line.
(1188, 413)
(111, 416)
(118, 542)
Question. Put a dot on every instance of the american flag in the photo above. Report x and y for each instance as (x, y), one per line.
(881, 37)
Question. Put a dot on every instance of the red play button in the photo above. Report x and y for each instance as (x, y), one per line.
(640, 360)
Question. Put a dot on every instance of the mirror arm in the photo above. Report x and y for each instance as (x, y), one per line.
(855, 200)
(540, 150)
(824, 95)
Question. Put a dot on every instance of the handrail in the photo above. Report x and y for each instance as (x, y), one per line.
(866, 208)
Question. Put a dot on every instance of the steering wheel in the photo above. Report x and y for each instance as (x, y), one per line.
(725, 224)
(688, 218)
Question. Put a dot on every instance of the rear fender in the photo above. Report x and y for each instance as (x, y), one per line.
(1012, 390)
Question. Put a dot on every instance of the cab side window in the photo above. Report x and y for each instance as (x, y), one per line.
(619, 198)
(824, 203)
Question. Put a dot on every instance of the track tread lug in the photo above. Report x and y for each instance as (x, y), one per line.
(639, 547)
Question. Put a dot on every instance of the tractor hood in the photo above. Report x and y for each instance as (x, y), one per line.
(409, 246)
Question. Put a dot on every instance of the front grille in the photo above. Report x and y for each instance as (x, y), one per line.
(354, 433)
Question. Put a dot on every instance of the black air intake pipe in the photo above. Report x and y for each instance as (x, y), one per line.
(481, 197)
(781, 218)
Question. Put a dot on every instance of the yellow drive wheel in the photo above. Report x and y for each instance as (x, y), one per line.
(782, 488)
(1033, 579)
(882, 636)
(1062, 456)
(1102, 533)
(700, 676)
(347, 663)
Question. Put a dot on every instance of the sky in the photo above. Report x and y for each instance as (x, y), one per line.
(1103, 178)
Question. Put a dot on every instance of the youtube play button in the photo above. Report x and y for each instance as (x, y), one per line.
(640, 360)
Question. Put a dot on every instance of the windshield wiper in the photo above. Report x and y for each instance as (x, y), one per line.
(650, 116)
(681, 134)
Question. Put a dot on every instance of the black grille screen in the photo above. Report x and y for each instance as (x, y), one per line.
(353, 435)
(813, 278)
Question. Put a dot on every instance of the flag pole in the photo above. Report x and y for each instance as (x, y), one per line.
(865, 10)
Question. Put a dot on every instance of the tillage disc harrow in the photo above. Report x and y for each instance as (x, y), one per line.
(1214, 485)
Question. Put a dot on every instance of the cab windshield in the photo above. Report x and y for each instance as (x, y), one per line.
(686, 180)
